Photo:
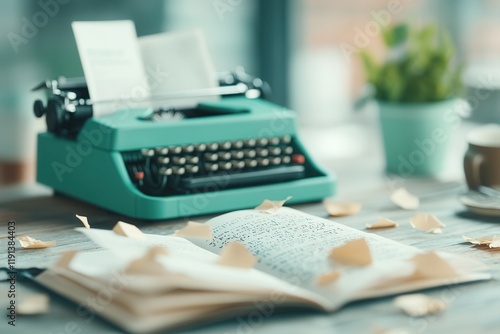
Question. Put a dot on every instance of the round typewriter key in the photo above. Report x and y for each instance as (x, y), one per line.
(237, 154)
(225, 145)
(275, 161)
(179, 170)
(262, 152)
(298, 159)
(211, 156)
(176, 149)
(192, 169)
(274, 141)
(200, 147)
(224, 155)
(275, 150)
(285, 160)
(237, 144)
(249, 153)
(211, 167)
(192, 160)
(286, 139)
(262, 141)
(250, 163)
(238, 164)
(250, 142)
(179, 160)
(225, 165)
(188, 149)
(165, 171)
(147, 152)
(288, 150)
(263, 162)
(139, 175)
(162, 150)
(163, 160)
(212, 146)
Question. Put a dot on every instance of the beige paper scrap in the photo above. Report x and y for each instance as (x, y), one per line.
(128, 230)
(382, 222)
(66, 258)
(271, 207)
(402, 198)
(431, 265)
(419, 305)
(352, 253)
(328, 277)
(236, 255)
(341, 209)
(384, 330)
(492, 241)
(29, 242)
(147, 264)
(84, 221)
(427, 223)
(34, 304)
(195, 230)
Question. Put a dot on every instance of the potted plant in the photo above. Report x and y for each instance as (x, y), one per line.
(417, 88)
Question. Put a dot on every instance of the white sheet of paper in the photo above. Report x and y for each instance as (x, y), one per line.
(178, 61)
(112, 64)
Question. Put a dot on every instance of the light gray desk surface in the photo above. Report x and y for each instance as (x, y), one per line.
(473, 308)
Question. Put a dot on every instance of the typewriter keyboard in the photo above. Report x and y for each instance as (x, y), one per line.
(214, 166)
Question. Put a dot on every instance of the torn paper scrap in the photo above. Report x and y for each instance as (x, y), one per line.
(427, 223)
(271, 206)
(419, 305)
(402, 198)
(431, 265)
(148, 264)
(66, 258)
(195, 230)
(29, 242)
(236, 255)
(33, 304)
(352, 253)
(128, 230)
(328, 277)
(341, 209)
(382, 222)
(84, 221)
(492, 241)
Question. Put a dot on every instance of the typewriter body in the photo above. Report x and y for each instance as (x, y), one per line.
(221, 155)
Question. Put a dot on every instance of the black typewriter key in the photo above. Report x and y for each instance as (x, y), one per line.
(238, 164)
(188, 149)
(237, 144)
(165, 171)
(163, 160)
(286, 139)
(211, 156)
(192, 169)
(200, 147)
(275, 161)
(225, 165)
(285, 160)
(250, 142)
(263, 162)
(275, 150)
(179, 160)
(212, 146)
(162, 150)
(262, 141)
(274, 141)
(224, 155)
(249, 153)
(250, 163)
(262, 152)
(192, 159)
(176, 149)
(225, 145)
(237, 154)
(147, 152)
(211, 167)
(288, 150)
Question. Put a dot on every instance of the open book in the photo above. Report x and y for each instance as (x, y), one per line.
(159, 282)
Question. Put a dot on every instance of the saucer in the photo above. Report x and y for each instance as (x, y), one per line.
(480, 203)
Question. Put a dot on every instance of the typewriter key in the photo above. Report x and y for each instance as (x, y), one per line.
(200, 147)
(162, 150)
(176, 149)
(147, 152)
(238, 164)
(211, 167)
(212, 146)
(192, 160)
(262, 152)
(263, 162)
(251, 163)
(286, 139)
(179, 160)
(179, 170)
(250, 142)
(165, 171)
(225, 145)
(188, 149)
(192, 169)
(225, 165)
(237, 144)
(262, 141)
(224, 155)
(211, 156)
(275, 161)
(163, 160)
(274, 141)
(298, 159)
(288, 150)
(249, 153)
(285, 160)
(237, 154)
(275, 150)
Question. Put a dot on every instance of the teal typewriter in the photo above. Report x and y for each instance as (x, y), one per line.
(146, 163)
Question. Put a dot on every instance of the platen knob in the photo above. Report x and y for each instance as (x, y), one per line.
(39, 109)
(54, 117)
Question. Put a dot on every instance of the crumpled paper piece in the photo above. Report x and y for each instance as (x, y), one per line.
(419, 305)
(382, 222)
(328, 277)
(195, 230)
(128, 230)
(33, 304)
(29, 242)
(335, 209)
(84, 221)
(352, 253)
(271, 207)
(492, 241)
(148, 264)
(236, 255)
(427, 223)
(402, 198)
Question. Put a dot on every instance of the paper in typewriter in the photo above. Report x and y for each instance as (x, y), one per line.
(112, 64)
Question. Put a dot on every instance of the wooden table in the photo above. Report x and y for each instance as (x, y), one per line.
(473, 308)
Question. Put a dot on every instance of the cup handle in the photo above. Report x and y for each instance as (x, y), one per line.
(472, 164)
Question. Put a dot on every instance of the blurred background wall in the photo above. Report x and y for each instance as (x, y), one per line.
(296, 45)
